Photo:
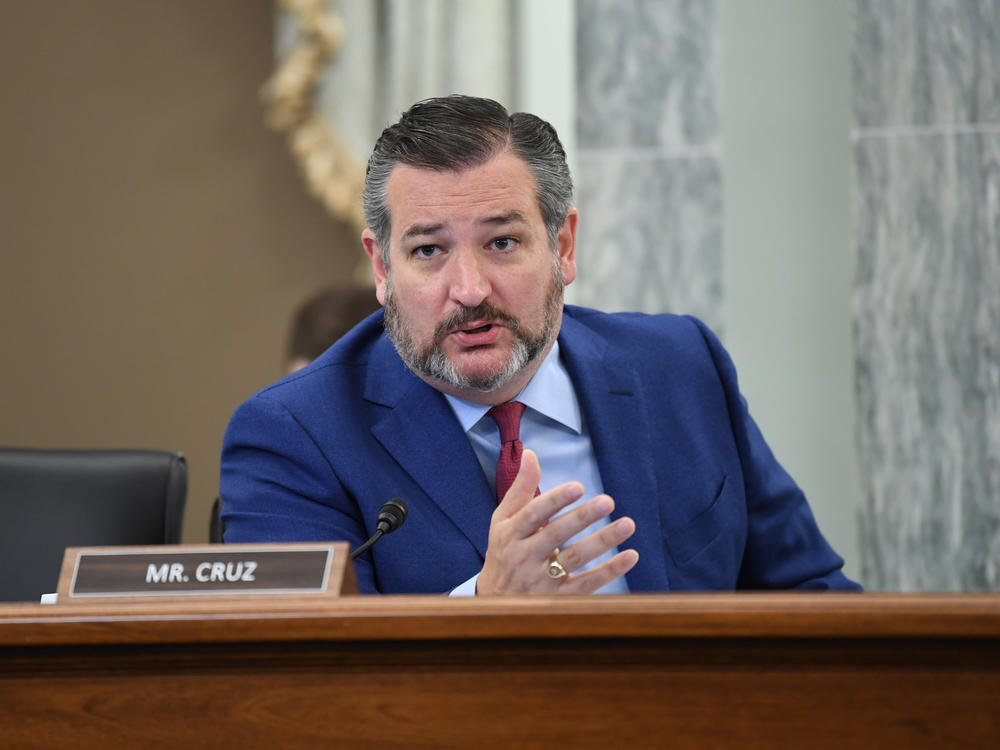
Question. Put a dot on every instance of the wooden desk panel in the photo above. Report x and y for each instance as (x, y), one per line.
(753, 670)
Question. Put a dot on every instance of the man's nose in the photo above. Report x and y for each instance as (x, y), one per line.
(469, 282)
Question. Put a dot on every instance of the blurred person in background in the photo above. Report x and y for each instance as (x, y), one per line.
(322, 319)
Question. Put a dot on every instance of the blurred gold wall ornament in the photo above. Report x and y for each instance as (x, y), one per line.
(331, 172)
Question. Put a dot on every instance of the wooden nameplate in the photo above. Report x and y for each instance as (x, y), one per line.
(206, 571)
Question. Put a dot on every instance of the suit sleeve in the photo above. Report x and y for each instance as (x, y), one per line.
(785, 548)
(277, 485)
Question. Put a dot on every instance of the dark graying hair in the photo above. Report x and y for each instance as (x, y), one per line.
(457, 132)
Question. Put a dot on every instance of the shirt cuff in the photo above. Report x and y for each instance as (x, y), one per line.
(466, 589)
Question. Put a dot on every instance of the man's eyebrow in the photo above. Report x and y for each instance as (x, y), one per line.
(511, 217)
(425, 230)
(421, 230)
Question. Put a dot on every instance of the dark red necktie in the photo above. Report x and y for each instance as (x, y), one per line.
(508, 419)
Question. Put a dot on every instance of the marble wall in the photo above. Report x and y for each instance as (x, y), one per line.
(648, 175)
(712, 179)
(926, 199)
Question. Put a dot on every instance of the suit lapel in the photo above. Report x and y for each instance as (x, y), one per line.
(611, 399)
(421, 433)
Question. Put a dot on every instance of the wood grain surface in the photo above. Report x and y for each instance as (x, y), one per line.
(684, 671)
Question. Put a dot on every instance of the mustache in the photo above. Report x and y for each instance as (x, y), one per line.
(483, 311)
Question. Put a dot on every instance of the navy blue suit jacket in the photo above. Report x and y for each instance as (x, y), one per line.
(313, 456)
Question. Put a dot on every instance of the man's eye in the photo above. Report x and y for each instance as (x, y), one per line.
(426, 251)
(504, 243)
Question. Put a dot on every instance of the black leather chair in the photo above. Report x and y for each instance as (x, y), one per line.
(54, 499)
(216, 528)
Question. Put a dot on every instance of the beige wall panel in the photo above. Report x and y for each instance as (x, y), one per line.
(154, 236)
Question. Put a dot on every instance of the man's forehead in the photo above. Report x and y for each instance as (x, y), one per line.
(506, 162)
(500, 190)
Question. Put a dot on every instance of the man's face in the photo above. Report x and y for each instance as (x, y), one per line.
(473, 292)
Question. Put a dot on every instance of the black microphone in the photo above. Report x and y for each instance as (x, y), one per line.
(390, 517)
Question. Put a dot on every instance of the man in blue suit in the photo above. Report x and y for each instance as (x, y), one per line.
(641, 468)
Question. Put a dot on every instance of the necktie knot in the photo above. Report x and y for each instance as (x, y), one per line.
(508, 419)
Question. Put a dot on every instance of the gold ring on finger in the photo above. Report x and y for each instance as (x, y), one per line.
(555, 568)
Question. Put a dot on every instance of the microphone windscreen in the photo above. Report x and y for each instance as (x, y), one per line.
(392, 514)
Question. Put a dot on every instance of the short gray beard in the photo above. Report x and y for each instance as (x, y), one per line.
(432, 363)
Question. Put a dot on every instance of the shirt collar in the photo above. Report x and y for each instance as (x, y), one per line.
(549, 392)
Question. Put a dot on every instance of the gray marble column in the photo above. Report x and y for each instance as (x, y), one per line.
(927, 292)
(649, 184)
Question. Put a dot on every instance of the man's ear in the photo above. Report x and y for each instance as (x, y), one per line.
(566, 245)
(379, 272)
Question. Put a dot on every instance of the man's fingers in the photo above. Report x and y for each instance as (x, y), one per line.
(593, 546)
(522, 490)
(569, 524)
(538, 512)
(599, 576)
(526, 511)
